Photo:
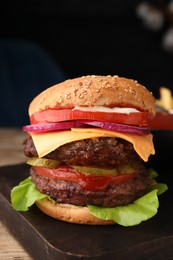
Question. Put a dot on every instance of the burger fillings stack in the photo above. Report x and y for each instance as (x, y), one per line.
(87, 142)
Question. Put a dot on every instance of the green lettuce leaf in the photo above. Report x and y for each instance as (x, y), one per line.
(26, 194)
(133, 214)
(152, 173)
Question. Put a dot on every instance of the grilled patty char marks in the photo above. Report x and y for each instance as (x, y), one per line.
(71, 192)
(107, 151)
(104, 151)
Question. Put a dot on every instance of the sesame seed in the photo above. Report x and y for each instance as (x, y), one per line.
(120, 96)
(68, 95)
(75, 91)
(79, 84)
(88, 82)
(105, 82)
(100, 95)
(99, 79)
(84, 92)
(60, 99)
(81, 96)
(106, 85)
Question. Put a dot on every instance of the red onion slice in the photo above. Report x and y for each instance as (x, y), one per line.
(118, 127)
(39, 128)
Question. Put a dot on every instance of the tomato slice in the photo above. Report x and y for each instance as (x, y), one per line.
(47, 116)
(87, 182)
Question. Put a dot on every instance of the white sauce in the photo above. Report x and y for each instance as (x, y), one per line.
(125, 110)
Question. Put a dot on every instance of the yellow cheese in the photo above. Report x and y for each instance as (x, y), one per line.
(48, 142)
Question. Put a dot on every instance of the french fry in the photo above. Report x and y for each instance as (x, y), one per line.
(166, 99)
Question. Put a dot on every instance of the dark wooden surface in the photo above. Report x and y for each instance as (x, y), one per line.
(46, 238)
(11, 152)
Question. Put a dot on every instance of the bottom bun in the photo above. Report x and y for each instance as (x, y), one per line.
(70, 213)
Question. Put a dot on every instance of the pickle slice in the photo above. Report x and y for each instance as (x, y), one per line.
(105, 171)
(49, 163)
(96, 171)
(126, 168)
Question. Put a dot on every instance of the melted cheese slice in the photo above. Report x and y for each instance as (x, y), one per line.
(48, 142)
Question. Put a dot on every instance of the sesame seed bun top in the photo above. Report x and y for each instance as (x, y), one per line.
(87, 91)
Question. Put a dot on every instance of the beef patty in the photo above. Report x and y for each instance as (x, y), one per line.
(103, 151)
(71, 193)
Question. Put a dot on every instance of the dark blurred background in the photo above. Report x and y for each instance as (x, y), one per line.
(45, 42)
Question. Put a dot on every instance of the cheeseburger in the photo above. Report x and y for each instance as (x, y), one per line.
(87, 143)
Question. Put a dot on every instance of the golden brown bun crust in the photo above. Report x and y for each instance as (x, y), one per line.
(70, 213)
(108, 91)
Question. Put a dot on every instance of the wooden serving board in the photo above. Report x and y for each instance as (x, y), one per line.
(46, 238)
